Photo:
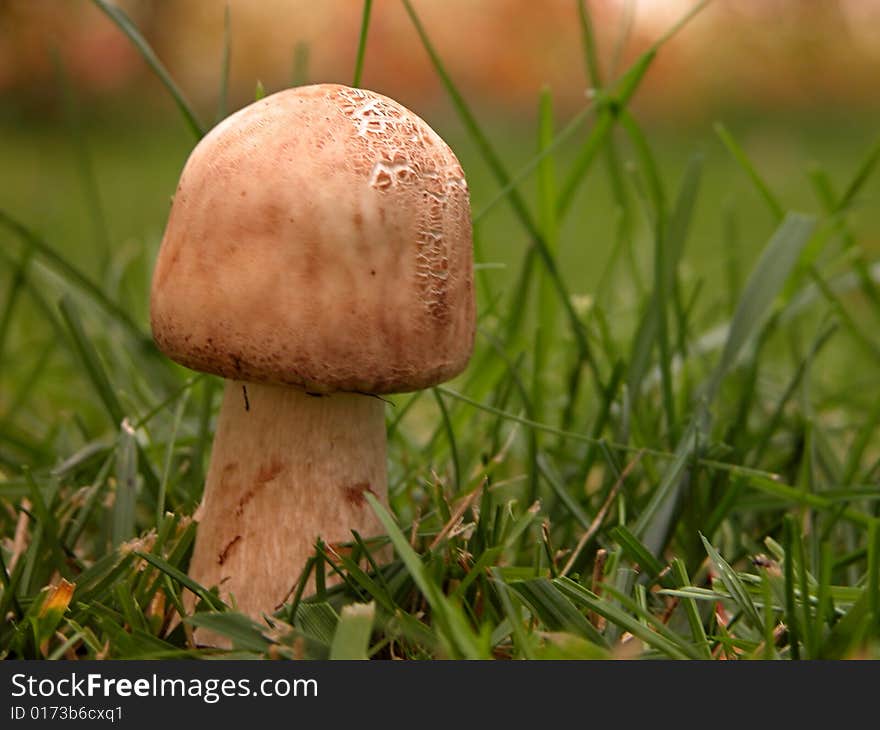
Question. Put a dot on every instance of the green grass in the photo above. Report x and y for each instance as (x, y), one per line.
(666, 445)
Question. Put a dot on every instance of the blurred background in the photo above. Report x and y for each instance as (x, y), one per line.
(768, 54)
(795, 79)
(91, 144)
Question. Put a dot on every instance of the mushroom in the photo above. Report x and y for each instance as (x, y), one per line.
(318, 254)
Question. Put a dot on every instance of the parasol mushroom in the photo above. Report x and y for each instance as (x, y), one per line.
(318, 254)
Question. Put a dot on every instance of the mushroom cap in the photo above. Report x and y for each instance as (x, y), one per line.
(320, 237)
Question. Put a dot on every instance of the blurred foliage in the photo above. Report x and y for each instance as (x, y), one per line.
(752, 53)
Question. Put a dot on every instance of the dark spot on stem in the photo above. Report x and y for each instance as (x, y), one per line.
(247, 405)
(226, 475)
(266, 473)
(354, 494)
(269, 471)
(224, 553)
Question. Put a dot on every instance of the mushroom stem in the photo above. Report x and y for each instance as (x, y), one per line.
(287, 468)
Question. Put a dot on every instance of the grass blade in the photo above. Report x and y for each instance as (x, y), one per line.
(362, 44)
(691, 609)
(450, 434)
(640, 555)
(588, 44)
(860, 178)
(125, 500)
(493, 160)
(738, 154)
(547, 316)
(734, 585)
(225, 61)
(614, 614)
(19, 275)
(124, 23)
(521, 640)
(91, 361)
(765, 282)
(353, 631)
(299, 75)
(555, 610)
(85, 167)
(458, 634)
(872, 585)
(243, 632)
(72, 275)
(209, 598)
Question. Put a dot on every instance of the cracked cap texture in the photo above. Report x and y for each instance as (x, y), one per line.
(320, 237)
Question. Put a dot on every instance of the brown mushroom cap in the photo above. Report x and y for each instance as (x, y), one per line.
(320, 237)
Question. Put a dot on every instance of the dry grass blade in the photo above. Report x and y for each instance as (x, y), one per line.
(600, 515)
